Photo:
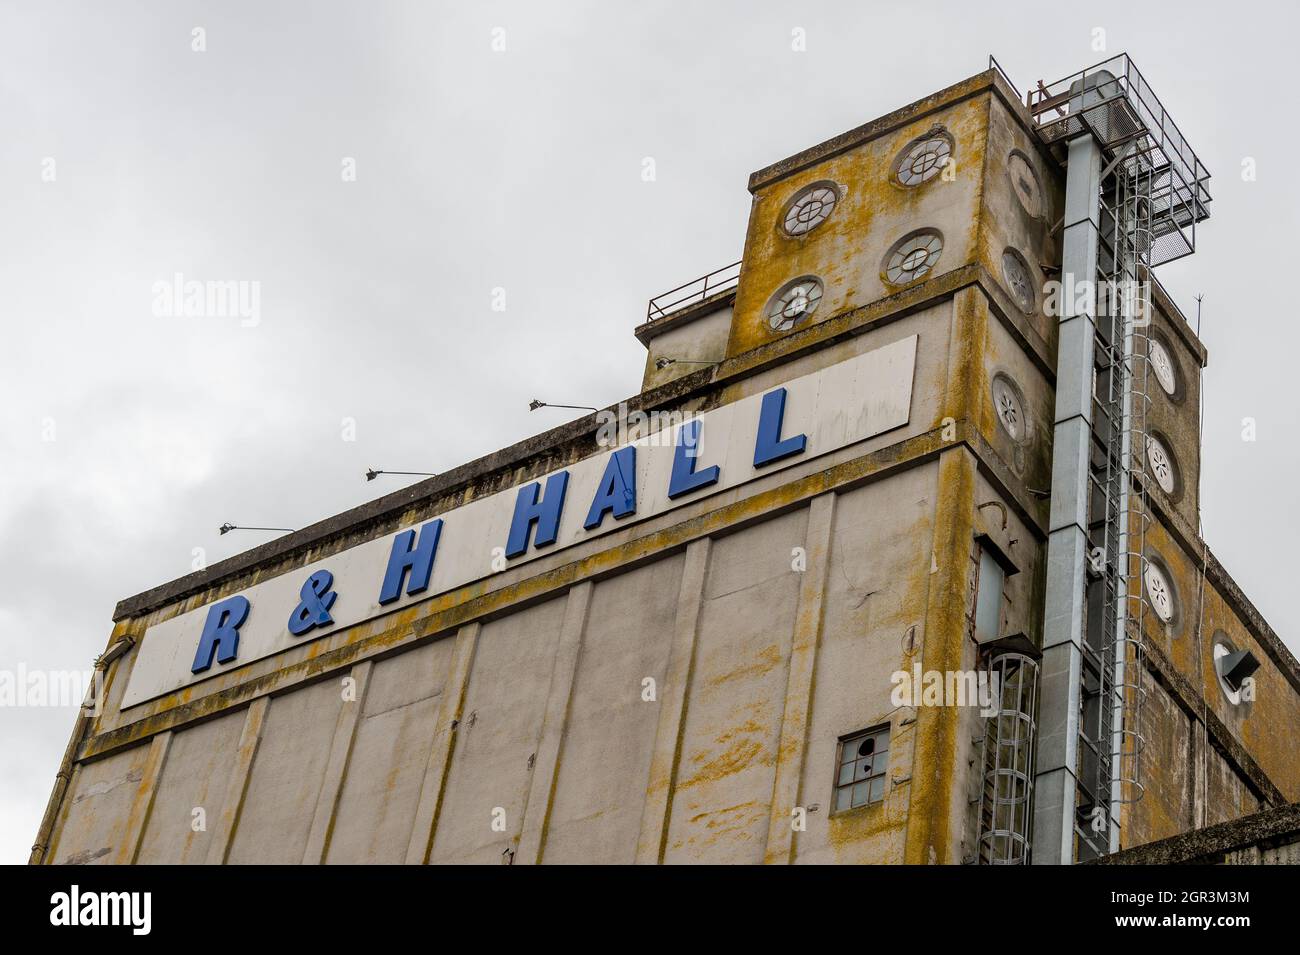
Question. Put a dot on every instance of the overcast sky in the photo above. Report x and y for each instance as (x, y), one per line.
(126, 157)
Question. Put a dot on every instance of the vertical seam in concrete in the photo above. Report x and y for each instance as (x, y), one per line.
(434, 785)
(142, 805)
(250, 737)
(345, 734)
(546, 764)
(673, 701)
(793, 739)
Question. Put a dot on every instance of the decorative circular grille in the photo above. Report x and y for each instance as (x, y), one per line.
(1019, 282)
(1025, 185)
(1009, 408)
(1159, 592)
(923, 160)
(1163, 366)
(810, 208)
(1162, 464)
(913, 257)
(793, 303)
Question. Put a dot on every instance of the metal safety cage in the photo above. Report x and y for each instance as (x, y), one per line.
(1113, 102)
(1007, 790)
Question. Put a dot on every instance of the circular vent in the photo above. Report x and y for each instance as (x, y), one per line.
(1024, 183)
(923, 160)
(1019, 282)
(1162, 363)
(1159, 592)
(1223, 648)
(912, 257)
(1161, 462)
(793, 303)
(1009, 407)
(810, 207)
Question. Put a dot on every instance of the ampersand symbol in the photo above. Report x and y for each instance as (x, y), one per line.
(314, 610)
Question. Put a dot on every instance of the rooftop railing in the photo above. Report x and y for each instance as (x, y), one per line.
(693, 292)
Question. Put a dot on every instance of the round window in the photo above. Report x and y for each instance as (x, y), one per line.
(913, 256)
(1160, 593)
(1015, 271)
(923, 159)
(1161, 462)
(1009, 407)
(1162, 364)
(793, 303)
(1024, 183)
(810, 207)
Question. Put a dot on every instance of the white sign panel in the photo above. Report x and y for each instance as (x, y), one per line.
(831, 409)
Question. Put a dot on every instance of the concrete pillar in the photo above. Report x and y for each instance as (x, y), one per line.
(435, 773)
(937, 807)
(672, 705)
(799, 684)
(541, 790)
(345, 733)
(223, 832)
(142, 805)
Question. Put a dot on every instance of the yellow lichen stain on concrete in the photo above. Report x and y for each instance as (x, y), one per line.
(847, 251)
(738, 748)
(765, 660)
(734, 821)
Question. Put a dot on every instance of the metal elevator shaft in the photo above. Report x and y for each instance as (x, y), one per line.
(1134, 193)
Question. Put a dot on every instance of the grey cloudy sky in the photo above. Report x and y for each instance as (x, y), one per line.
(475, 170)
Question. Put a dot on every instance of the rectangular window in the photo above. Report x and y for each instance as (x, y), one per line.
(861, 766)
(988, 598)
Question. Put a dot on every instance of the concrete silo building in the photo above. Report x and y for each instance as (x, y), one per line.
(894, 558)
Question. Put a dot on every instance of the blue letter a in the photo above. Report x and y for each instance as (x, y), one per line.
(221, 630)
(544, 513)
(617, 491)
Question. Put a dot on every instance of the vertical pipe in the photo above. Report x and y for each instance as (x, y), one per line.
(1055, 778)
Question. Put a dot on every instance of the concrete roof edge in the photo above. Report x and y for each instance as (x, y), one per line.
(1213, 841)
(394, 504)
(974, 85)
(648, 331)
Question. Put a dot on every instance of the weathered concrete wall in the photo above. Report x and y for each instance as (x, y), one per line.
(697, 334)
(875, 601)
(733, 719)
(287, 776)
(93, 825)
(200, 764)
(848, 250)
(381, 789)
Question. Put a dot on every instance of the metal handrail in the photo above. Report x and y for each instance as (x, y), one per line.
(694, 291)
(995, 65)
